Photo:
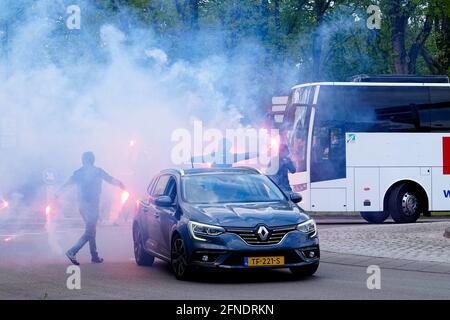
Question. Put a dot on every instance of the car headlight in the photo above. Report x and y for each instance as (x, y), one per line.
(308, 227)
(200, 230)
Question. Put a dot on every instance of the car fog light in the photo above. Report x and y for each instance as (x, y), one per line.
(204, 258)
(311, 254)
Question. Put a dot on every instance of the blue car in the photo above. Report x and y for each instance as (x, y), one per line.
(223, 218)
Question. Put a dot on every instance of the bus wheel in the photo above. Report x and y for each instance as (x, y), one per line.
(405, 203)
(375, 217)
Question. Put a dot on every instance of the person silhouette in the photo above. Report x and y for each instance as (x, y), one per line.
(284, 167)
(224, 157)
(88, 180)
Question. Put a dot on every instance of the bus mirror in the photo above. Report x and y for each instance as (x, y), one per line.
(295, 197)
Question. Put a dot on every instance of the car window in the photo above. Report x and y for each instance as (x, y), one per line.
(150, 186)
(171, 189)
(222, 188)
(160, 186)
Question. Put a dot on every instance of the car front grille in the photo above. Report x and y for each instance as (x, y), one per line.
(250, 235)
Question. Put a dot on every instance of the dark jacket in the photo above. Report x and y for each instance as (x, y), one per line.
(281, 177)
(88, 180)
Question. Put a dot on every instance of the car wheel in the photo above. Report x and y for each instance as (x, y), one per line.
(305, 271)
(140, 255)
(179, 264)
(405, 204)
(375, 217)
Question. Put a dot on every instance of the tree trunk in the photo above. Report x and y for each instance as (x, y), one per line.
(316, 54)
(398, 29)
(188, 12)
(432, 64)
(320, 8)
(194, 14)
(264, 25)
(443, 41)
(405, 61)
(277, 18)
(419, 44)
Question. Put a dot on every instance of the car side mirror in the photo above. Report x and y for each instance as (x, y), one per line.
(164, 201)
(295, 197)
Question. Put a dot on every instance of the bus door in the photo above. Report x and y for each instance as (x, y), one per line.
(328, 165)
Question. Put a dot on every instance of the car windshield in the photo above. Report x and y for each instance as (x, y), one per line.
(221, 188)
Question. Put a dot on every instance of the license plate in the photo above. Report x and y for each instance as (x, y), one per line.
(264, 261)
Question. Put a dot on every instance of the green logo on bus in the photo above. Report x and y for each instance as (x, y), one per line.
(351, 138)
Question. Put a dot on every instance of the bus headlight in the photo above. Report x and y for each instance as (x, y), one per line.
(308, 227)
(200, 230)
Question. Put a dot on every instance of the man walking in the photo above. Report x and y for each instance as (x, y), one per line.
(88, 180)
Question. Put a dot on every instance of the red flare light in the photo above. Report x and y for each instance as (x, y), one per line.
(274, 144)
(8, 239)
(5, 204)
(48, 210)
(124, 196)
(132, 143)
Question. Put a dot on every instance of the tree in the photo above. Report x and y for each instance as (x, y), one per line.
(188, 11)
(401, 14)
(440, 63)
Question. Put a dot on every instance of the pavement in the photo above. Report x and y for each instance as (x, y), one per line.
(125, 280)
(423, 242)
(32, 266)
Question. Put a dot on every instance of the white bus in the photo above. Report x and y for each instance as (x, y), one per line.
(378, 145)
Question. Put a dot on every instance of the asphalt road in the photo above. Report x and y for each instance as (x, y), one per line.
(32, 266)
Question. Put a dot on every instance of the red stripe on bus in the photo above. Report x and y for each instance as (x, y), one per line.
(446, 154)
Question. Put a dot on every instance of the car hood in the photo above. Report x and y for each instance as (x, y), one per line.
(271, 214)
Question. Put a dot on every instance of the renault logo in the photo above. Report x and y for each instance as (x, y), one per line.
(262, 233)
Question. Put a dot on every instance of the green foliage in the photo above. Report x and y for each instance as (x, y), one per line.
(298, 40)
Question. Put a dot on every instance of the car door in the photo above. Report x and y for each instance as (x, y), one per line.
(168, 216)
(143, 210)
(152, 217)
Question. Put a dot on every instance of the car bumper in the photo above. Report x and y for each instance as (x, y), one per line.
(229, 251)
(235, 260)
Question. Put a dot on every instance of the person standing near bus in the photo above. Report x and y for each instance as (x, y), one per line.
(285, 165)
(88, 180)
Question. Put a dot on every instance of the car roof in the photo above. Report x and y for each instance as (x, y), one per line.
(201, 171)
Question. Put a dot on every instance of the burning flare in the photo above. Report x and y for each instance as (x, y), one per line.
(48, 210)
(124, 196)
(5, 204)
(7, 239)
(274, 144)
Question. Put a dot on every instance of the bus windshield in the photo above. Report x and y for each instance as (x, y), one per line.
(299, 134)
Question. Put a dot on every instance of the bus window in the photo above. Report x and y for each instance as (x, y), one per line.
(328, 153)
(440, 108)
(328, 141)
(301, 95)
(388, 109)
(298, 143)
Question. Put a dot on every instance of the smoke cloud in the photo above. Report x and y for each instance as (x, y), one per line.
(63, 92)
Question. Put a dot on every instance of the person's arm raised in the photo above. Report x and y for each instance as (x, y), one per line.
(111, 180)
